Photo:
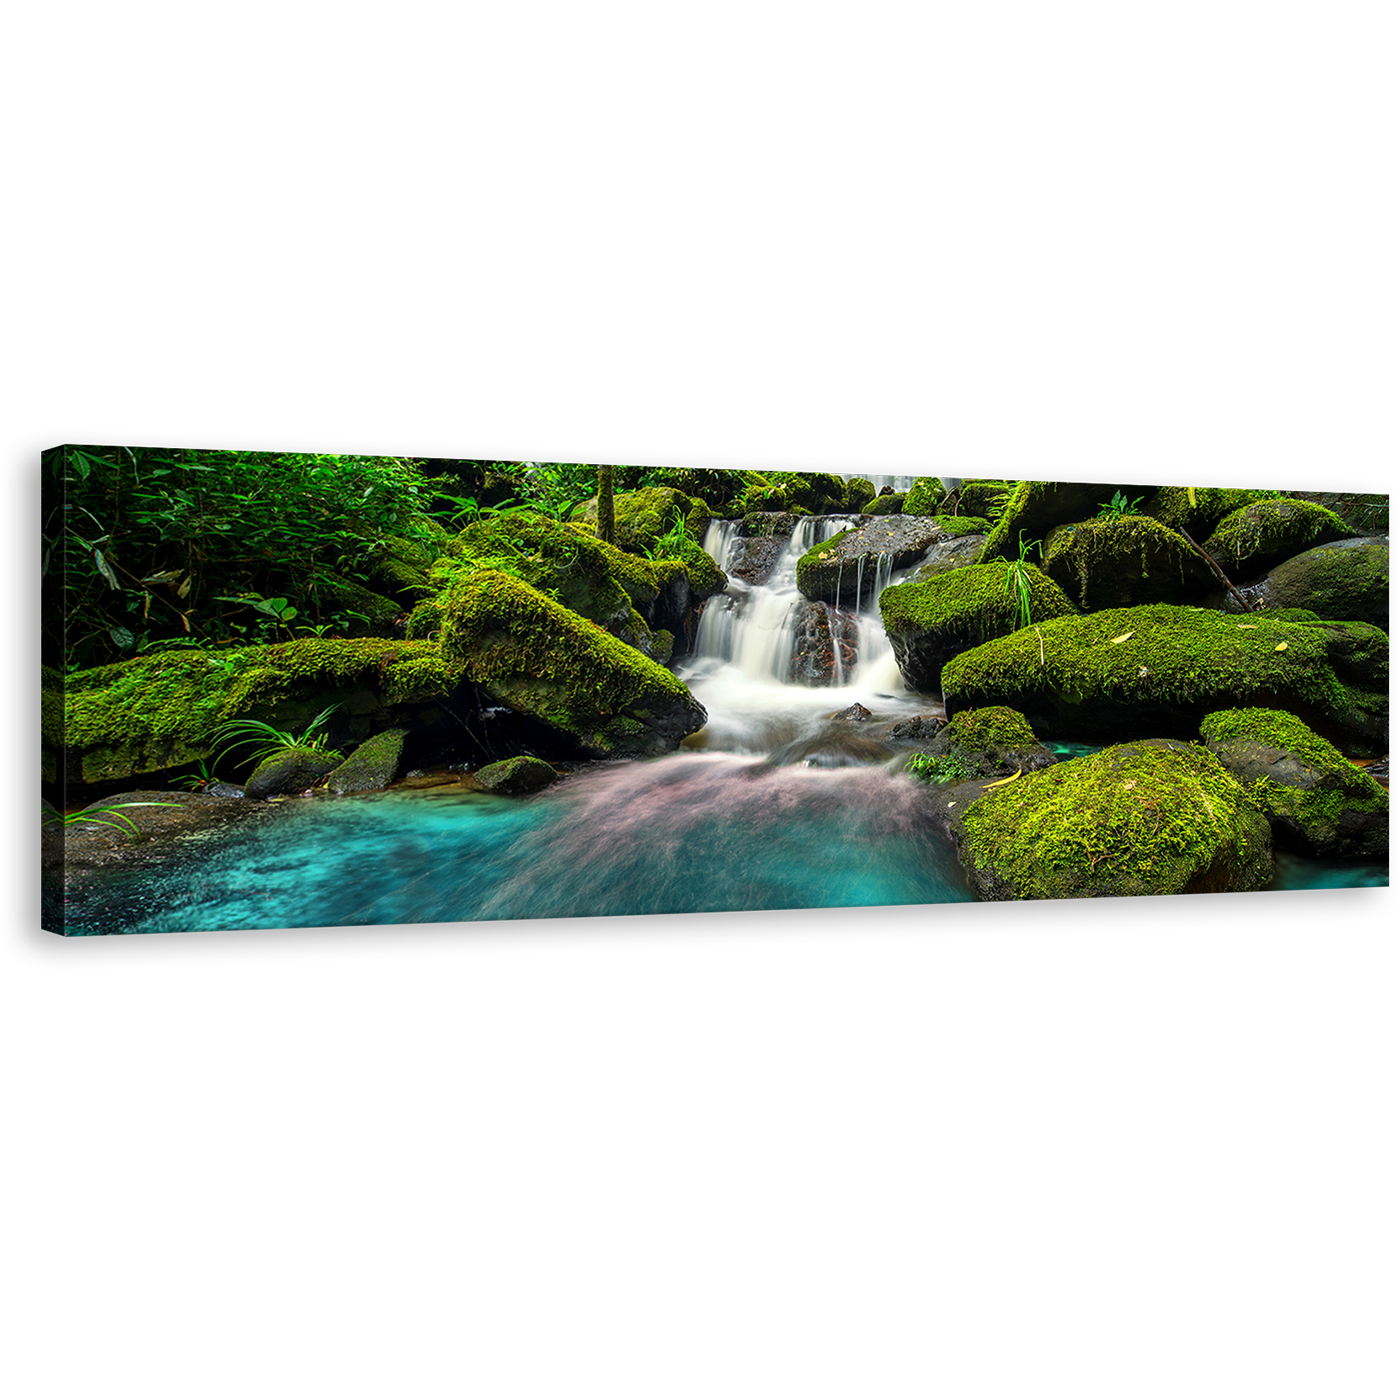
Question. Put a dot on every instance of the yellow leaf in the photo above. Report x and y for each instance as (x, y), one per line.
(1002, 782)
(1191, 494)
(1247, 626)
(1113, 641)
(1282, 646)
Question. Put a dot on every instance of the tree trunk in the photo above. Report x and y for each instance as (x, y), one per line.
(606, 528)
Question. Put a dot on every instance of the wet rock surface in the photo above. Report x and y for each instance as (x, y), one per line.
(825, 644)
(847, 568)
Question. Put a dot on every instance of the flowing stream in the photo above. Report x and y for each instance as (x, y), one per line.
(776, 804)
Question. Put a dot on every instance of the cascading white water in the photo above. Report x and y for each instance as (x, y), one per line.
(743, 658)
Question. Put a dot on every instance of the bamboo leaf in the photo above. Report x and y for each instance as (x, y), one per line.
(1114, 641)
(1282, 646)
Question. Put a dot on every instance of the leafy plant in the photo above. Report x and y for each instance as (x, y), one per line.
(107, 815)
(200, 779)
(1119, 505)
(1018, 580)
(267, 742)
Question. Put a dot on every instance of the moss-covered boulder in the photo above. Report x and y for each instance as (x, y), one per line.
(372, 767)
(1365, 512)
(1316, 801)
(1158, 817)
(512, 776)
(641, 518)
(925, 496)
(859, 490)
(890, 504)
(848, 568)
(930, 622)
(719, 490)
(51, 722)
(159, 711)
(984, 496)
(540, 659)
(1252, 540)
(1348, 580)
(1121, 561)
(958, 526)
(995, 742)
(292, 771)
(1198, 510)
(1158, 670)
(1034, 508)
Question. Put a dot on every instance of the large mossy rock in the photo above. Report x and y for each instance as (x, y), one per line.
(930, 622)
(1034, 508)
(643, 525)
(1252, 540)
(847, 568)
(159, 711)
(1158, 670)
(890, 504)
(540, 659)
(1121, 561)
(720, 491)
(1198, 510)
(1348, 580)
(1157, 817)
(1316, 801)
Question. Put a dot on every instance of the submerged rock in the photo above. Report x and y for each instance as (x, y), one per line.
(917, 731)
(1159, 670)
(1156, 817)
(824, 644)
(752, 558)
(1315, 800)
(856, 712)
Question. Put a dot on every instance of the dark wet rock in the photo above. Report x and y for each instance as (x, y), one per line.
(516, 775)
(372, 767)
(848, 567)
(1365, 512)
(1159, 670)
(1316, 801)
(752, 557)
(1259, 536)
(1156, 817)
(1120, 561)
(223, 790)
(918, 731)
(289, 773)
(856, 712)
(947, 555)
(930, 622)
(824, 647)
(768, 524)
(1347, 580)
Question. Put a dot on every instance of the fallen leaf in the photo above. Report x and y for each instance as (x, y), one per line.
(1002, 782)
(1247, 626)
(1282, 646)
(1113, 641)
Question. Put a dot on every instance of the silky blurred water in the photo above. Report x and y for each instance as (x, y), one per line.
(688, 833)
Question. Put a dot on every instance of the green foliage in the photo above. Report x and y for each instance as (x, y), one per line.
(108, 814)
(1019, 583)
(1118, 504)
(267, 742)
(203, 776)
(146, 548)
(947, 768)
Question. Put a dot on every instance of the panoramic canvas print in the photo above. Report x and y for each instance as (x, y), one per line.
(289, 690)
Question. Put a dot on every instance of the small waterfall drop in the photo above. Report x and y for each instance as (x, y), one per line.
(748, 647)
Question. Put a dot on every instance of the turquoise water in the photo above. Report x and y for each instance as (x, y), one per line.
(1301, 873)
(683, 834)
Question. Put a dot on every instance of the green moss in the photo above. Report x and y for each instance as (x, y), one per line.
(974, 598)
(1167, 657)
(1257, 536)
(1107, 561)
(892, 504)
(1316, 810)
(1002, 537)
(344, 593)
(859, 490)
(993, 726)
(1173, 506)
(957, 526)
(184, 695)
(1134, 819)
(544, 660)
(925, 496)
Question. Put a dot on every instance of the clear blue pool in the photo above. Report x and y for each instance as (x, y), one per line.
(682, 834)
